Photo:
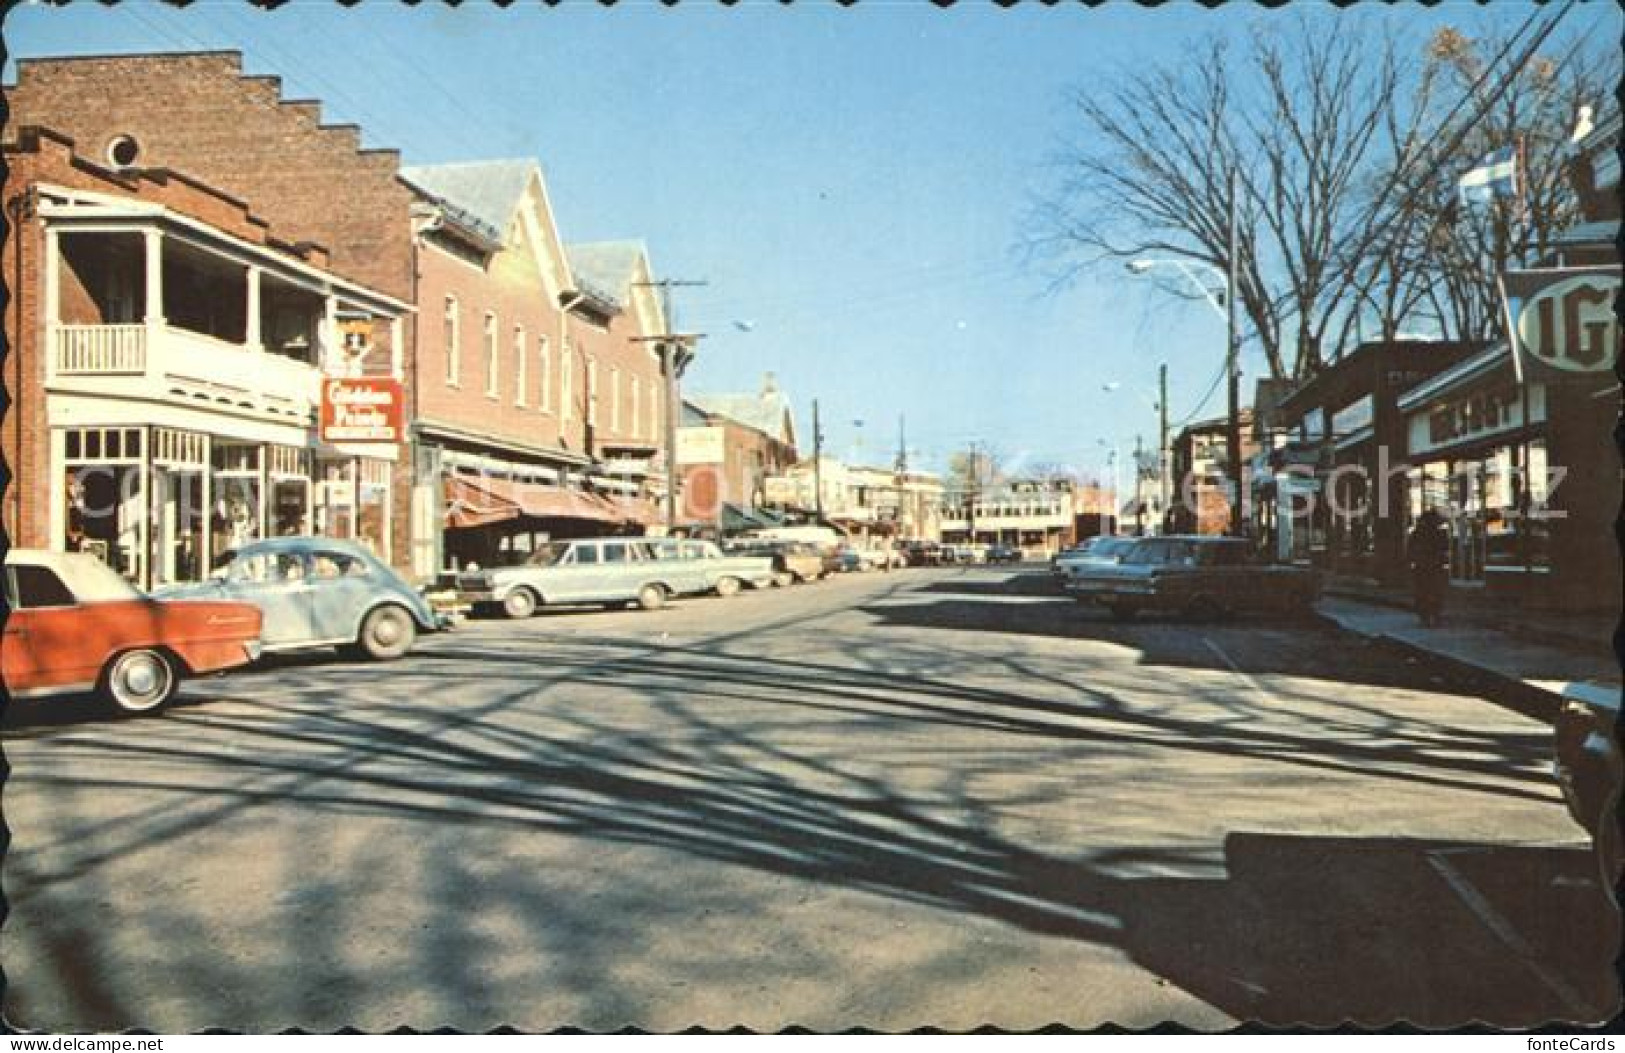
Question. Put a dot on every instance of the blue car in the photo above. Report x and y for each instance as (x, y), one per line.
(320, 592)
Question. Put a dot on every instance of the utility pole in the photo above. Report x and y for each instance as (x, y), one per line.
(975, 480)
(676, 352)
(1139, 486)
(1233, 368)
(902, 474)
(818, 467)
(1164, 460)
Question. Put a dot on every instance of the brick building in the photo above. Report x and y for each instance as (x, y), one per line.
(730, 446)
(523, 362)
(538, 399)
(167, 350)
(1201, 478)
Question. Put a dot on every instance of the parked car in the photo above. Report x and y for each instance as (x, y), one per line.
(724, 574)
(1196, 575)
(584, 571)
(1003, 554)
(793, 561)
(75, 625)
(1589, 769)
(881, 558)
(1100, 552)
(922, 554)
(321, 592)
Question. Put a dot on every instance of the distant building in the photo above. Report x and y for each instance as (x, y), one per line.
(728, 447)
(1035, 515)
(867, 503)
(1202, 480)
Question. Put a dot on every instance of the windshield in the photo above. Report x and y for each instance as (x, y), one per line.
(1112, 546)
(548, 554)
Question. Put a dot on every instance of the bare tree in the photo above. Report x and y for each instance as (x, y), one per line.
(1535, 117)
(1343, 148)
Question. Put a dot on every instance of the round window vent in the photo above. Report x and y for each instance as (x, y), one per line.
(123, 151)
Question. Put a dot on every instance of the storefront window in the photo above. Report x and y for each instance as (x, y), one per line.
(239, 511)
(105, 497)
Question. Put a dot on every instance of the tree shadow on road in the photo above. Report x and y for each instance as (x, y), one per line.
(701, 757)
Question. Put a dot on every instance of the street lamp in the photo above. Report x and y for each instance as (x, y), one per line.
(1232, 357)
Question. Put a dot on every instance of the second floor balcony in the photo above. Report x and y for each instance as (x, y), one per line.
(139, 302)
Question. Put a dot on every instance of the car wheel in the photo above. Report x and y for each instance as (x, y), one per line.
(727, 586)
(387, 633)
(783, 579)
(1123, 612)
(520, 603)
(651, 597)
(140, 681)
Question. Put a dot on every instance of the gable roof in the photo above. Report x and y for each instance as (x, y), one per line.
(488, 197)
(609, 267)
(486, 192)
(767, 412)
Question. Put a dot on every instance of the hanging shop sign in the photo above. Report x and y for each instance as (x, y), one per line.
(1562, 321)
(701, 445)
(361, 409)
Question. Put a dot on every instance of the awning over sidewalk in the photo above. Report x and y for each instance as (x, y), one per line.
(479, 500)
(469, 505)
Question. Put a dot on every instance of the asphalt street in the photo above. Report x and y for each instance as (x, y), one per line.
(927, 798)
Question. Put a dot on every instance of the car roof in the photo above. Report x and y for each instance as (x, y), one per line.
(86, 575)
(302, 544)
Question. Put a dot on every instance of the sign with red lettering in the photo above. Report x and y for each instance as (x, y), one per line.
(361, 409)
(1561, 321)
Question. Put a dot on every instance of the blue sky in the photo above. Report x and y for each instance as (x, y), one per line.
(851, 182)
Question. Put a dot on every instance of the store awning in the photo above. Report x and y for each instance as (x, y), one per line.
(469, 505)
(478, 500)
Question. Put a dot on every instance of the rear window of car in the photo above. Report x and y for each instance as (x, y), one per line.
(40, 587)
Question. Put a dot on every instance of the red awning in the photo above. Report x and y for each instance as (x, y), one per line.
(477, 500)
(470, 505)
(638, 510)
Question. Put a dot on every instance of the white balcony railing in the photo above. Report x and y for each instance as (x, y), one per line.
(180, 358)
(101, 350)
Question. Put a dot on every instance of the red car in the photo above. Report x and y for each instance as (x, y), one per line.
(75, 625)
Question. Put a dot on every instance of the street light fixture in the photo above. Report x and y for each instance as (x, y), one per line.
(1227, 310)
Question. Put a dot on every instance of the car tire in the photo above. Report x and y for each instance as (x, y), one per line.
(387, 633)
(651, 597)
(140, 681)
(520, 603)
(783, 579)
(728, 587)
(1123, 612)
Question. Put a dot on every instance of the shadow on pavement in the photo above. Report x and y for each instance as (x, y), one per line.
(713, 765)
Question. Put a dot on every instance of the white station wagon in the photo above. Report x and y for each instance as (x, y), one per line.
(584, 571)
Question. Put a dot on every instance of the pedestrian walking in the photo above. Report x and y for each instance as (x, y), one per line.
(1428, 551)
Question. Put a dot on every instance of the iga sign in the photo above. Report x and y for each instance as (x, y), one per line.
(1562, 321)
(361, 409)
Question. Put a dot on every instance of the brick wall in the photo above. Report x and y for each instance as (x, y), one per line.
(511, 290)
(197, 113)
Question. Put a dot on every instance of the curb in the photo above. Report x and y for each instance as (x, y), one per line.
(1533, 634)
(1514, 693)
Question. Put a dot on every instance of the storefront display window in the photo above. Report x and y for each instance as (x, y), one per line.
(238, 515)
(104, 497)
(354, 501)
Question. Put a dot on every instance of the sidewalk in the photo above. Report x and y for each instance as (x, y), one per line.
(1562, 655)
